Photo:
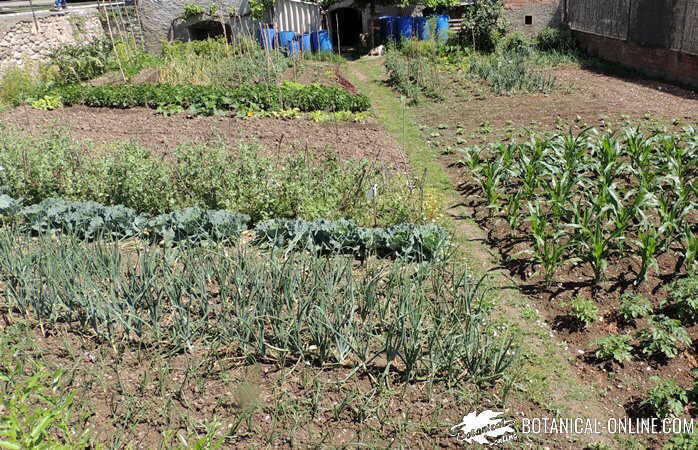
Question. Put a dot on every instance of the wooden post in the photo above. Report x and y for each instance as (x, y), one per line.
(111, 37)
(339, 44)
(36, 23)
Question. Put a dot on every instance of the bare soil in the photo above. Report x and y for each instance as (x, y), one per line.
(163, 134)
(584, 97)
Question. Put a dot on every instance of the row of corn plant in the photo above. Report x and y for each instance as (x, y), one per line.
(423, 321)
(594, 198)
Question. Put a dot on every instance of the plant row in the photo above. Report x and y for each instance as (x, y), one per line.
(90, 220)
(664, 335)
(593, 199)
(421, 243)
(209, 100)
(243, 178)
(421, 321)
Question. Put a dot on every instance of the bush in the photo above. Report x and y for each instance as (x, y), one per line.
(666, 398)
(483, 24)
(209, 100)
(556, 39)
(516, 43)
(80, 62)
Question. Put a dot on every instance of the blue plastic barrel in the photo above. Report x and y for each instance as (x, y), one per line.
(320, 41)
(421, 26)
(285, 37)
(293, 48)
(403, 28)
(442, 28)
(387, 27)
(305, 43)
(265, 36)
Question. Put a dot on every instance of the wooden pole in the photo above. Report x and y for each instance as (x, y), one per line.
(140, 22)
(339, 44)
(111, 37)
(36, 23)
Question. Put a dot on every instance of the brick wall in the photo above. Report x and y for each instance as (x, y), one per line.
(540, 13)
(666, 64)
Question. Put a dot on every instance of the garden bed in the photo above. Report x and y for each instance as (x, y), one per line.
(102, 125)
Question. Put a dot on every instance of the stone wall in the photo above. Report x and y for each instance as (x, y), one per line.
(531, 16)
(21, 43)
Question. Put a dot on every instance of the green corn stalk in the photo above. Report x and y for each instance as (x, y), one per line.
(648, 242)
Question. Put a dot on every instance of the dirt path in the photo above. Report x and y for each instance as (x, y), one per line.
(546, 384)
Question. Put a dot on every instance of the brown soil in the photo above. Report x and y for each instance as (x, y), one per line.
(582, 94)
(160, 133)
(584, 98)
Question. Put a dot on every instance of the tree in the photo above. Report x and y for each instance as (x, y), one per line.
(483, 24)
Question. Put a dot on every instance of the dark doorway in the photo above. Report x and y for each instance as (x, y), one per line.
(347, 26)
(206, 29)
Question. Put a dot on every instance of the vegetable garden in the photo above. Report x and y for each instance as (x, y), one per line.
(178, 270)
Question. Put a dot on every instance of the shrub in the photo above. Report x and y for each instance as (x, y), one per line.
(559, 39)
(616, 348)
(583, 310)
(80, 62)
(663, 337)
(209, 100)
(516, 43)
(682, 302)
(634, 307)
(19, 84)
(666, 398)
